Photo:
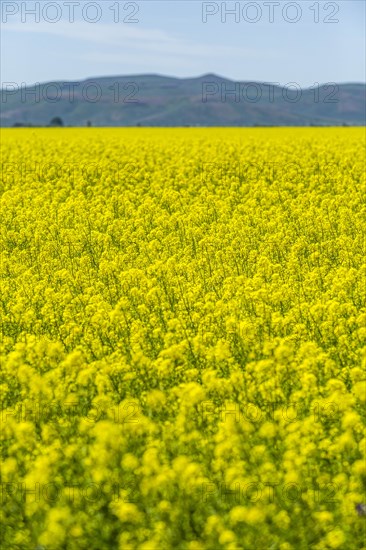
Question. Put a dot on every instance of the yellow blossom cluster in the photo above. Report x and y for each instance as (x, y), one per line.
(183, 339)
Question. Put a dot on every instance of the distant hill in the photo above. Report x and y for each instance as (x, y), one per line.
(153, 100)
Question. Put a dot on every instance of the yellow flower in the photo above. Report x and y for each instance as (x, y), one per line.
(156, 399)
(350, 420)
(267, 430)
(129, 462)
(127, 512)
(227, 537)
(359, 389)
(335, 538)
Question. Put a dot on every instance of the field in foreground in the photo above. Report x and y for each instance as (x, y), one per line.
(183, 352)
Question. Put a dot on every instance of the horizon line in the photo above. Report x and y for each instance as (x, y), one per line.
(159, 75)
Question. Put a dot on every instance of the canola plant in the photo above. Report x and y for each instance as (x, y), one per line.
(183, 339)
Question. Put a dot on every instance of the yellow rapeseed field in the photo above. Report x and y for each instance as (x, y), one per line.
(183, 339)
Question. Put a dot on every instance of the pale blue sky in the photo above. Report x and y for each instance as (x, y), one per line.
(171, 38)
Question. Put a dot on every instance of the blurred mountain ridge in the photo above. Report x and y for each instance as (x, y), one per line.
(156, 100)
